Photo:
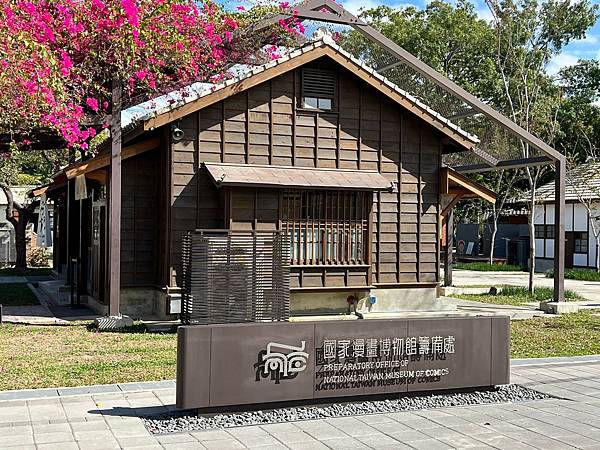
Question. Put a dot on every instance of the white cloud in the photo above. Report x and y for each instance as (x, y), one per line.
(563, 60)
(590, 39)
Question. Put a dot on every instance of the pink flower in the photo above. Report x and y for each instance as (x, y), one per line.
(131, 11)
(92, 103)
(65, 63)
(141, 74)
(240, 8)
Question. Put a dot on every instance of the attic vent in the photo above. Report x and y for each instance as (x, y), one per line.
(318, 88)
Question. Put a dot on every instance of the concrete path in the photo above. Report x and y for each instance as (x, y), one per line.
(48, 312)
(111, 420)
(588, 289)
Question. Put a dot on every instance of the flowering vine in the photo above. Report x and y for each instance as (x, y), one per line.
(58, 57)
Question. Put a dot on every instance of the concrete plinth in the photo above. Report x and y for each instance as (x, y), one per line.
(113, 322)
(559, 307)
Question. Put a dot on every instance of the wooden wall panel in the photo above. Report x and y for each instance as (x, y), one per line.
(139, 220)
(366, 131)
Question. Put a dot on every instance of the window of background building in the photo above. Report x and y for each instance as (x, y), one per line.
(581, 242)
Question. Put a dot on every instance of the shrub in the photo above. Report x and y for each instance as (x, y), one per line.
(539, 293)
(38, 257)
(578, 274)
(487, 267)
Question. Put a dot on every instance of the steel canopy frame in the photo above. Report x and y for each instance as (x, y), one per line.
(331, 12)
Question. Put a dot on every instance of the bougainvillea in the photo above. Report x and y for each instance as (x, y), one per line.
(58, 57)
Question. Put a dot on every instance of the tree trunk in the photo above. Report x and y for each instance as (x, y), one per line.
(21, 244)
(493, 239)
(18, 216)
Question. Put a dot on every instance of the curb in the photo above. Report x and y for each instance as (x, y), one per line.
(29, 394)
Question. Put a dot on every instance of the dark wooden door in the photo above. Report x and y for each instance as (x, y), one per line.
(569, 248)
(97, 263)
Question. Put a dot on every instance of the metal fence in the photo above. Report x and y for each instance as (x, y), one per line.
(234, 276)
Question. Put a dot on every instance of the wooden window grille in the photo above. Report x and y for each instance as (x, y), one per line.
(327, 227)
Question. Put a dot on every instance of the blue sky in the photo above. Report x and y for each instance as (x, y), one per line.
(588, 48)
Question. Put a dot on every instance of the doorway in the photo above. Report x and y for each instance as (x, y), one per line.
(569, 248)
(98, 249)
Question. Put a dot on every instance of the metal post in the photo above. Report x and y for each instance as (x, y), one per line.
(114, 204)
(448, 251)
(559, 230)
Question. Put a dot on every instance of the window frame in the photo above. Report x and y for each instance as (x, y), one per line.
(580, 242)
(327, 227)
(306, 93)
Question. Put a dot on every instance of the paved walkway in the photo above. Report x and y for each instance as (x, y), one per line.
(588, 289)
(111, 420)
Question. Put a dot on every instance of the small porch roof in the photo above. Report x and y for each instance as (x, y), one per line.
(224, 174)
(454, 183)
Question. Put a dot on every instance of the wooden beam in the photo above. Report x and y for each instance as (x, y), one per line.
(113, 274)
(448, 249)
(457, 198)
(103, 160)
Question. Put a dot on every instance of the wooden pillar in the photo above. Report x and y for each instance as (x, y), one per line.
(448, 249)
(559, 231)
(113, 273)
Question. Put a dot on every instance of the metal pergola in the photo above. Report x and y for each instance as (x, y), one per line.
(504, 144)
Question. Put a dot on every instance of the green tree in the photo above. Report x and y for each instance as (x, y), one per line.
(25, 168)
(579, 115)
(528, 36)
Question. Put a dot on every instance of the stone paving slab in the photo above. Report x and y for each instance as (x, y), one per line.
(92, 419)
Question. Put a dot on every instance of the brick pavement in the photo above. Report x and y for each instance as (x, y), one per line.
(110, 420)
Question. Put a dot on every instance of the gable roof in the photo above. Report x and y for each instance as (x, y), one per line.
(581, 183)
(170, 107)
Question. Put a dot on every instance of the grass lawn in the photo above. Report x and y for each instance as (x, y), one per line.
(578, 274)
(566, 335)
(31, 271)
(517, 296)
(74, 355)
(17, 294)
(486, 267)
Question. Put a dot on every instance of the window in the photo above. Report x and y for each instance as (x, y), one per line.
(318, 88)
(544, 231)
(581, 242)
(539, 232)
(327, 227)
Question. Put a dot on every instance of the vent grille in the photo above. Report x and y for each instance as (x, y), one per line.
(234, 276)
(318, 83)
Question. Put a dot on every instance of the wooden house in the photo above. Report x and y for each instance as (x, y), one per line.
(315, 144)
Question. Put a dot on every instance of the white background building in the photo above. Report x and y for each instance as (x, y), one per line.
(582, 187)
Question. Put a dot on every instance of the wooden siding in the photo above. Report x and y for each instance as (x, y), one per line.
(139, 212)
(365, 131)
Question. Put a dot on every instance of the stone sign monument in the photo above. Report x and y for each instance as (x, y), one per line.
(257, 363)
